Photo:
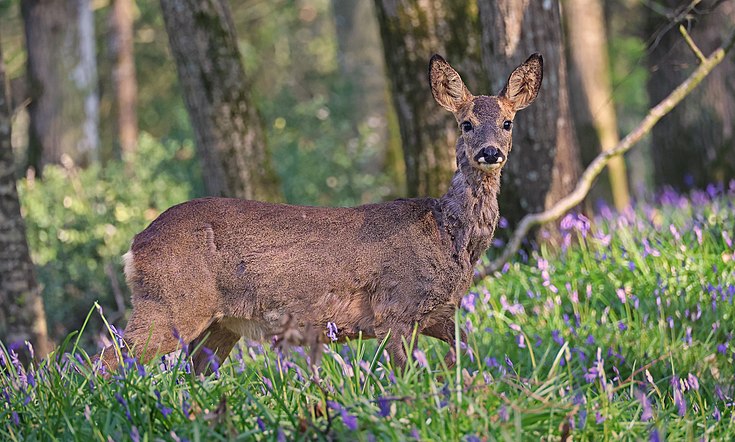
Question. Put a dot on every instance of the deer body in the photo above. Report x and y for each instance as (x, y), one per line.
(219, 268)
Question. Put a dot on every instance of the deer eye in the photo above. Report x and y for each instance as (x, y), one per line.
(466, 126)
(507, 124)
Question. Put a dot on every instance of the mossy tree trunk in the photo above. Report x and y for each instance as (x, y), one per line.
(22, 317)
(229, 134)
(62, 74)
(544, 165)
(123, 74)
(412, 31)
(695, 144)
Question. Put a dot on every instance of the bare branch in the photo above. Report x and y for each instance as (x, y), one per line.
(692, 45)
(599, 163)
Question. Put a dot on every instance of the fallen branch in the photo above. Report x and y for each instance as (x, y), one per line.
(600, 162)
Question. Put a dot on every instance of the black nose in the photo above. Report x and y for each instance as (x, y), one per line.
(490, 155)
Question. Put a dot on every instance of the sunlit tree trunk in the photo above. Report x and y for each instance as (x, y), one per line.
(588, 47)
(412, 31)
(229, 133)
(695, 144)
(544, 165)
(22, 316)
(123, 74)
(62, 71)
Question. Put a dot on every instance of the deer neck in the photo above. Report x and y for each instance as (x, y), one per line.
(469, 211)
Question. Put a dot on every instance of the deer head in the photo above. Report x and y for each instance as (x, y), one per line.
(486, 122)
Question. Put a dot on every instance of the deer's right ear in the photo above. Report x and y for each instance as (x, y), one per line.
(446, 85)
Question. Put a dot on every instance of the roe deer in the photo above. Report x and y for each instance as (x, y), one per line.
(220, 268)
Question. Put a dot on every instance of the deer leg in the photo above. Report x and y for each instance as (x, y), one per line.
(444, 330)
(150, 333)
(219, 340)
(394, 346)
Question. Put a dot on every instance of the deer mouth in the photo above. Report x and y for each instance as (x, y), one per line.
(490, 158)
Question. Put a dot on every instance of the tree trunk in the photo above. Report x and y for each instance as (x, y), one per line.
(412, 31)
(123, 74)
(62, 71)
(362, 65)
(588, 46)
(22, 316)
(229, 133)
(695, 144)
(544, 165)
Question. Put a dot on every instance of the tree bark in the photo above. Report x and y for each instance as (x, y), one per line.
(412, 31)
(229, 133)
(62, 78)
(123, 75)
(22, 316)
(695, 144)
(588, 46)
(544, 165)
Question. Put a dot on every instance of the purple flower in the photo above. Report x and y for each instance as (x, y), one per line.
(621, 295)
(124, 403)
(722, 348)
(717, 415)
(420, 357)
(384, 407)
(468, 302)
(349, 420)
(655, 437)
(646, 405)
(679, 400)
(693, 382)
(555, 335)
(508, 362)
(261, 424)
(332, 331)
(621, 326)
(599, 418)
(491, 362)
(134, 434)
(503, 413)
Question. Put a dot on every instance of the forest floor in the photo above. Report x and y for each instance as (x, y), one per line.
(625, 334)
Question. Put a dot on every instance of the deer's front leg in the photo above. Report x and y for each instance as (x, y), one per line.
(444, 330)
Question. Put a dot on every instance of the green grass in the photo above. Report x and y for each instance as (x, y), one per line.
(624, 335)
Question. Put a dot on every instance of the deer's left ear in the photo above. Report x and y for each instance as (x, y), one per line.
(446, 85)
(524, 83)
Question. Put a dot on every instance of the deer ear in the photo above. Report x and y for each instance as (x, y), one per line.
(446, 85)
(524, 83)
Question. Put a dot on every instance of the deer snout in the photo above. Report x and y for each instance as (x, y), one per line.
(490, 155)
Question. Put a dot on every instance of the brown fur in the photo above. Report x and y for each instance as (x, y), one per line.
(219, 268)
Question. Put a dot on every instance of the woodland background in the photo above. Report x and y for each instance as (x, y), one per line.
(119, 109)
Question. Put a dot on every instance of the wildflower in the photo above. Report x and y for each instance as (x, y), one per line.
(212, 360)
(726, 237)
(165, 411)
(521, 341)
(267, 382)
(590, 340)
(679, 400)
(621, 295)
(599, 418)
(717, 415)
(332, 331)
(622, 327)
(646, 405)
(508, 362)
(556, 336)
(29, 346)
(655, 437)
(469, 301)
(260, 423)
(722, 348)
(420, 357)
(693, 382)
(384, 407)
(134, 434)
(503, 413)
(491, 362)
(124, 403)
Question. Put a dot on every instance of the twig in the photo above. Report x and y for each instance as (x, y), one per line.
(598, 164)
(692, 45)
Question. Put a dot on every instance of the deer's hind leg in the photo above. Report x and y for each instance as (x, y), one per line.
(155, 330)
(444, 331)
(217, 341)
